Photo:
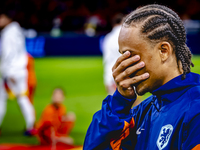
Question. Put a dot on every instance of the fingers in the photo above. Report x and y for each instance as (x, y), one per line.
(124, 74)
(126, 55)
(127, 83)
(124, 63)
(129, 71)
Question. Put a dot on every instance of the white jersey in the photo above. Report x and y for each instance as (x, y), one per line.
(110, 54)
(13, 63)
(13, 57)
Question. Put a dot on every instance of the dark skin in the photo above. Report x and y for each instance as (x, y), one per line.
(142, 65)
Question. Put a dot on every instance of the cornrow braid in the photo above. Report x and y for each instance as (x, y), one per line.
(155, 22)
(161, 23)
(170, 12)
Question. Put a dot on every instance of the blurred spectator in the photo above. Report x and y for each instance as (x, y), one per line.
(13, 63)
(31, 78)
(56, 31)
(111, 53)
(110, 49)
(74, 14)
(30, 33)
(92, 24)
(55, 124)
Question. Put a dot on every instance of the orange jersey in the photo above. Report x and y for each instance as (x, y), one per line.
(31, 78)
(52, 119)
(31, 71)
(53, 115)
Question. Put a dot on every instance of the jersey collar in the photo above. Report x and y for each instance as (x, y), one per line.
(176, 87)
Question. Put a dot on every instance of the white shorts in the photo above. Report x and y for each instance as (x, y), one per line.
(20, 86)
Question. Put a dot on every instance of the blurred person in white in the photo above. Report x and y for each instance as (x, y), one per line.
(111, 53)
(110, 50)
(13, 69)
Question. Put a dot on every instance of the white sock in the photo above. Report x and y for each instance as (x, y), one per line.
(27, 111)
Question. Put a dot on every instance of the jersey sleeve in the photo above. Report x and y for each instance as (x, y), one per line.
(111, 124)
(192, 141)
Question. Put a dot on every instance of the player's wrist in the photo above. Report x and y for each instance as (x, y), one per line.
(125, 97)
(120, 105)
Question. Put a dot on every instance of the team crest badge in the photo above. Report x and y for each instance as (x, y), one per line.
(164, 136)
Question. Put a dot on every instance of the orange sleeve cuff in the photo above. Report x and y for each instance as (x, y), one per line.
(197, 147)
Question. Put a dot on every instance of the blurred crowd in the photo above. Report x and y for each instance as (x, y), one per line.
(76, 15)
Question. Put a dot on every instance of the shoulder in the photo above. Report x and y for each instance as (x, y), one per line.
(49, 109)
(194, 96)
(192, 119)
(194, 92)
(194, 102)
(13, 29)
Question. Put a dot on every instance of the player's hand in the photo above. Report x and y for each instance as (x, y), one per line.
(125, 67)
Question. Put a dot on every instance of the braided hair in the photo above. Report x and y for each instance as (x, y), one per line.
(160, 23)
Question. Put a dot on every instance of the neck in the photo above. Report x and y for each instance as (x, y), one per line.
(172, 69)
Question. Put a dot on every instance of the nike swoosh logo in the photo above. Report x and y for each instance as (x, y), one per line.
(139, 131)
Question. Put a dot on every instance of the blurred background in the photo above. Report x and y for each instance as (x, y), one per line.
(65, 38)
(75, 21)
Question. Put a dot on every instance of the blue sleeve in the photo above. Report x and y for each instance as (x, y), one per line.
(193, 134)
(108, 123)
(192, 131)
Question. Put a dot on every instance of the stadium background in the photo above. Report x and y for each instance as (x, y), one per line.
(64, 36)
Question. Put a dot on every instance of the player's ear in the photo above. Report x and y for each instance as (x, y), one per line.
(165, 50)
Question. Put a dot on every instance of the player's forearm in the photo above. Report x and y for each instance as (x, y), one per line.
(108, 123)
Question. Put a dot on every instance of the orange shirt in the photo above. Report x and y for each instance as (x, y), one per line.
(31, 72)
(53, 115)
